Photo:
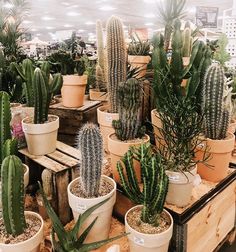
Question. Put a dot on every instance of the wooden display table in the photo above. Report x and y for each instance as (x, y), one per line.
(71, 119)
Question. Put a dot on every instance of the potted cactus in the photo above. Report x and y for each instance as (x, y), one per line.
(41, 130)
(138, 54)
(218, 142)
(21, 231)
(116, 63)
(128, 128)
(91, 187)
(149, 225)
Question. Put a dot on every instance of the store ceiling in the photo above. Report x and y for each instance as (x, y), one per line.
(48, 16)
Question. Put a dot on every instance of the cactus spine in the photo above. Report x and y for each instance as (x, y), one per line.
(130, 98)
(47, 183)
(5, 118)
(216, 115)
(155, 182)
(90, 145)
(116, 57)
(12, 176)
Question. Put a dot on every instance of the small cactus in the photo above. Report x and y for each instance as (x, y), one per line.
(47, 183)
(12, 178)
(90, 145)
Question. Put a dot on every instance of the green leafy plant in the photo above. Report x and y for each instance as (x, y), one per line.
(221, 55)
(155, 181)
(69, 240)
(138, 47)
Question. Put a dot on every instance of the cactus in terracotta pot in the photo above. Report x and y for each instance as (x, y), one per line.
(12, 178)
(90, 145)
(116, 57)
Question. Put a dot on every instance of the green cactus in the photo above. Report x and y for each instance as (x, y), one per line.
(47, 183)
(100, 44)
(12, 178)
(138, 47)
(130, 101)
(116, 57)
(155, 181)
(70, 240)
(216, 115)
(5, 119)
(90, 145)
(187, 42)
(10, 147)
(2, 66)
(100, 81)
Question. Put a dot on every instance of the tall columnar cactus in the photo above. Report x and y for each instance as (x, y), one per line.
(187, 42)
(155, 182)
(130, 100)
(216, 114)
(100, 44)
(5, 119)
(10, 147)
(90, 145)
(2, 66)
(100, 80)
(47, 183)
(12, 177)
(116, 57)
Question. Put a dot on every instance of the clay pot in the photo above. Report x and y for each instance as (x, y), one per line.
(30, 245)
(140, 242)
(41, 138)
(216, 166)
(232, 126)
(79, 205)
(140, 62)
(105, 123)
(95, 95)
(180, 187)
(117, 150)
(73, 90)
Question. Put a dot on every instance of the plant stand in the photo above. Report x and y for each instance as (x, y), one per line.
(71, 119)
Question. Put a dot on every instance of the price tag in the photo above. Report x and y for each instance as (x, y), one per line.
(174, 178)
(108, 118)
(81, 207)
(138, 240)
(201, 145)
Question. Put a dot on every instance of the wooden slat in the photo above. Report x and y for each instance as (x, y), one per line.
(63, 158)
(68, 150)
(87, 104)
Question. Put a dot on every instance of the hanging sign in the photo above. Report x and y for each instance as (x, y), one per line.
(206, 17)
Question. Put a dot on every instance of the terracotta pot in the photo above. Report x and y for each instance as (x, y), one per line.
(220, 151)
(117, 150)
(97, 95)
(79, 205)
(140, 242)
(73, 90)
(180, 187)
(232, 126)
(30, 245)
(105, 123)
(140, 62)
(41, 138)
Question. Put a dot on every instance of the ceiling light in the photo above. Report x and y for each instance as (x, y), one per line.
(68, 25)
(81, 30)
(191, 10)
(49, 27)
(72, 13)
(8, 5)
(89, 23)
(149, 24)
(150, 1)
(46, 18)
(33, 29)
(27, 22)
(38, 34)
(107, 8)
(65, 3)
(149, 15)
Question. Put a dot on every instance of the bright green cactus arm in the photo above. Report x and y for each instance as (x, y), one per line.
(5, 119)
(28, 70)
(10, 147)
(12, 176)
(45, 67)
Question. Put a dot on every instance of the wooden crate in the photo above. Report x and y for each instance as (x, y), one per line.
(64, 164)
(204, 224)
(71, 119)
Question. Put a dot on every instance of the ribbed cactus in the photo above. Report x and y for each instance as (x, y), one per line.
(130, 101)
(5, 119)
(155, 182)
(10, 147)
(116, 57)
(2, 66)
(47, 183)
(215, 113)
(100, 44)
(90, 145)
(12, 178)
(187, 42)
(100, 80)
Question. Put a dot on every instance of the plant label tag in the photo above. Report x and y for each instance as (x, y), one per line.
(108, 118)
(173, 177)
(138, 240)
(201, 145)
(81, 207)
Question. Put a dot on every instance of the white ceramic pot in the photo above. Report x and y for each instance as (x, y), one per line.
(41, 138)
(79, 205)
(30, 245)
(140, 242)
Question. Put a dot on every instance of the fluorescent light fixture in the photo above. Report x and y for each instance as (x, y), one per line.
(27, 22)
(89, 23)
(7, 5)
(149, 15)
(68, 25)
(46, 18)
(73, 14)
(33, 29)
(150, 1)
(149, 24)
(81, 30)
(38, 34)
(49, 27)
(107, 8)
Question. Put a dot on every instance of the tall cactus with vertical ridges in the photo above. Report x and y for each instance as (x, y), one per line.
(216, 115)
(90, 145)
(187, 42)
(130, 101)
(116, 57)
(5, 119)
(155, 181)
(12, 177)
(10, 147)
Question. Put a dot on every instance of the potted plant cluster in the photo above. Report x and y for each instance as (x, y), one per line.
(149, 225)
(91, 187)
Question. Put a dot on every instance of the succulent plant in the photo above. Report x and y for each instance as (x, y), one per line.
(69, 240)
(47, 183)
(12, 178)
(187, 42)
(10, 147)
(138, 47)
(100, 80)
(130, 100)
(90, 145)
(5, 119)
(216, 114)
(155, 181)
(116, 58)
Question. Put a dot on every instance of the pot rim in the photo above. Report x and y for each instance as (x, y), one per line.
(50, 115)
